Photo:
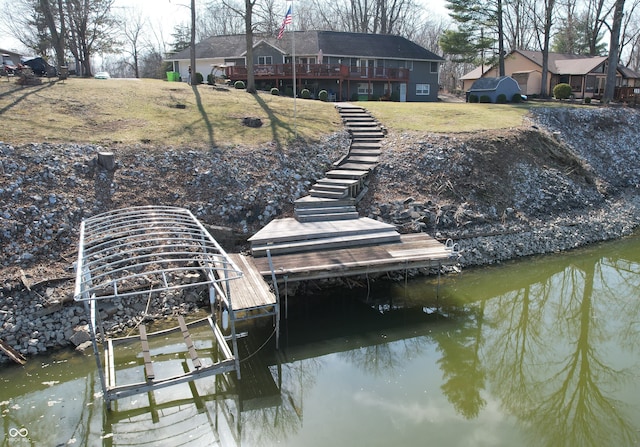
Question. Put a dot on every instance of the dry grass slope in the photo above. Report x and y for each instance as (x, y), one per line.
(129, 112)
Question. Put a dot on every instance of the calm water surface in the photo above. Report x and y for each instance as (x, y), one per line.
(540, 352)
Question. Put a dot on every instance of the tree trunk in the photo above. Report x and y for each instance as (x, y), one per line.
(610, 84)
(57, 38)
(251, 83)
(548, 15)
(192, 45)
(500, 40)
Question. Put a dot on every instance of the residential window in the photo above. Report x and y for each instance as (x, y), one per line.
(407, 64)
(365, 88)
(264, 60)
(422, 89)
(576, 83)
(434, 67)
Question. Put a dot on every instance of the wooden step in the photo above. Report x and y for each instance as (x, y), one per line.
(362, 126)
(323, 217)
(351, 109)
(360, 159)
(328, 194)
(289, 230)
(338, 181)
(363, 116)
(365, 144)
(325, 209)
(365, 152)
(367, 135)
(357, 166)
(314, 202)
(330, 187)
(343, 241)
(358, 119)
(347, 173)
(360, 129)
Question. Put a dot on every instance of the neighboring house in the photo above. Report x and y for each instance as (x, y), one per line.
(347, 65)
(494, 87)
(585, 74)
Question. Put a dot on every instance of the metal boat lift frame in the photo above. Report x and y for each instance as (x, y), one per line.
(135, 252)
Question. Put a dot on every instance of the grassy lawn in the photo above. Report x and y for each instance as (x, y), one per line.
(443, 117)
(144, 111)
(128, 112)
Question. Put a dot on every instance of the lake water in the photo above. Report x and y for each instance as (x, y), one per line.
(538, 352)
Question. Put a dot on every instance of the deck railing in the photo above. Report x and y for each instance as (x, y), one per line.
(627, 94)
(319, 71)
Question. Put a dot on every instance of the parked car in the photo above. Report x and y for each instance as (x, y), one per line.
(102, 75)
(8, 66)
(41, 67)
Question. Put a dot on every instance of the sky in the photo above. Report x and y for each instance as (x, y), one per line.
(166, 14)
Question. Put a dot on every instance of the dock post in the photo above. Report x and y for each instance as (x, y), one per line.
(275, 287)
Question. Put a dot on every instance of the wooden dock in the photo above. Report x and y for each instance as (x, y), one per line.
(251, 296)
(411, 251)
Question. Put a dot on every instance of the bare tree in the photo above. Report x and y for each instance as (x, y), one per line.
(248, 29)
(427, 33)
(634, 56)
(247, 15)
(612, 69)
(630, 30)
(39, 25)
(519, 26)
(566, 35)
(91, 28)
(543, 21)
(133, 26)
(218, 19)
(549, 6)
(596, 15)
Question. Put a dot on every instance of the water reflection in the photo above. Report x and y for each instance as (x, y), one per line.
(540, 352)
(557, 353)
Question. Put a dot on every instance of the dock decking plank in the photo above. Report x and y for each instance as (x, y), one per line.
(251, 291)
(415, 250)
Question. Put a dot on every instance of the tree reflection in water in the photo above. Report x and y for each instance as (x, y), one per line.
(463, 371)
(541, 345)
(546, 349)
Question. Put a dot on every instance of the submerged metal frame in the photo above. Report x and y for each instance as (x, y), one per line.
(134, 252)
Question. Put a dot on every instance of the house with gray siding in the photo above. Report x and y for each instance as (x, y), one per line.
(349, 66)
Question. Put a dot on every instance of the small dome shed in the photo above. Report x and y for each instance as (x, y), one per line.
(492, 87)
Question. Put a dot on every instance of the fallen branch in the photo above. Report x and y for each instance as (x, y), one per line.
(12, 353)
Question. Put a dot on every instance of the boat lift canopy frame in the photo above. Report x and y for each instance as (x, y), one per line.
(133, 252)
(138, 251)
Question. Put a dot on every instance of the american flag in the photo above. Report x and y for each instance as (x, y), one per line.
(287, 20)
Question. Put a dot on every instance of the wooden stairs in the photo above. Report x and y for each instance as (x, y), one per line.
(334, 197)
(327, 238)
(327, 218)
